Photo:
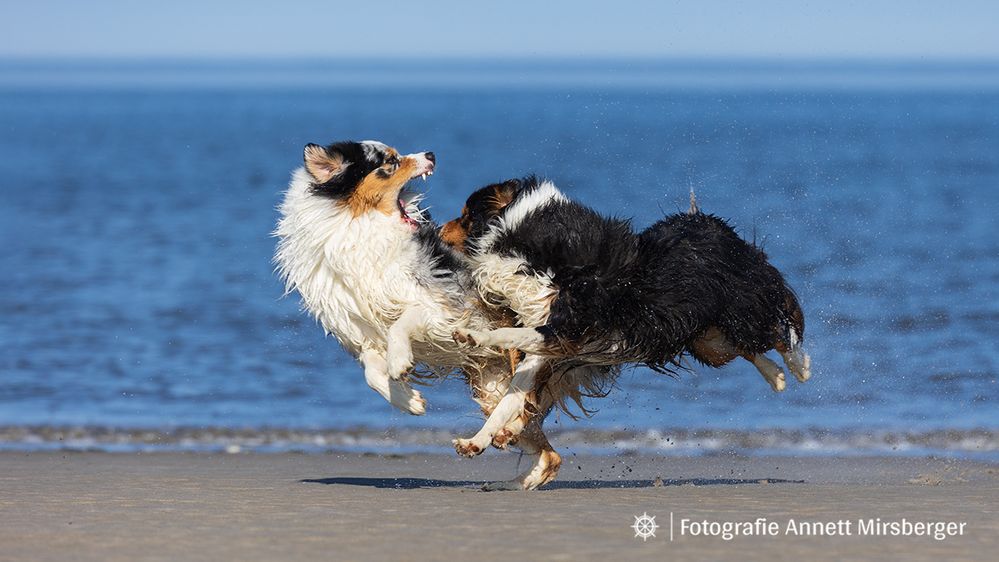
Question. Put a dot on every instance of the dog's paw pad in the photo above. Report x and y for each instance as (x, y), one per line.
(466, 448)
(463, 337)
(502, 439)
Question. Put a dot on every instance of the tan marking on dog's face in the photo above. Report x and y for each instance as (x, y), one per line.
(380, 189)
(489, 202)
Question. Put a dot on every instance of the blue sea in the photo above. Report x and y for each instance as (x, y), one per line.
(139, 309)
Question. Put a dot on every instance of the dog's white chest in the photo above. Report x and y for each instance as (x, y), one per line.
(354, 274)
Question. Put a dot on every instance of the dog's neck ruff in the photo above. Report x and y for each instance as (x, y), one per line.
(537, 198)
(507, 280)
(356, 275)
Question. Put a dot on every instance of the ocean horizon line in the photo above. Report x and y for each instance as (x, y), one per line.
(512, 73)
(582, 59)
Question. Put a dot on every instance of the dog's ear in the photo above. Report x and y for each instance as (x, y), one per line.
(503, 194)
(322, 163)
(513, 185)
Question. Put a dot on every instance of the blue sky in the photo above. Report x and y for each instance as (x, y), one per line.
(510, 28)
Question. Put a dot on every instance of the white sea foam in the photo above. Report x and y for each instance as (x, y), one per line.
(976, 443)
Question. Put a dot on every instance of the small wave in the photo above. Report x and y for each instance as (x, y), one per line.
(977, 443)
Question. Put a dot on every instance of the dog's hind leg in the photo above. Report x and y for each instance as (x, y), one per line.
(397, 392)
(508, 408)
(399, 353)
(771, 371)
(797, 361)
(545, 465)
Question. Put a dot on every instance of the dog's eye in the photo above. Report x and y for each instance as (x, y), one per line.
(393, 161)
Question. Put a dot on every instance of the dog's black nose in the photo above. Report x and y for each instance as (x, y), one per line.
(430, 156)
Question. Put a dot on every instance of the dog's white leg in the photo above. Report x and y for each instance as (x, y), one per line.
(489, 386)
(528, 340)
(399, 356)
(771, 371)
(398, 393)
(509, 407)
(544, 466)
(797, 361)
(510, 432)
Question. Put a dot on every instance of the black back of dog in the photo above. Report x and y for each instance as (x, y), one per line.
(647, 297)
(700, 260)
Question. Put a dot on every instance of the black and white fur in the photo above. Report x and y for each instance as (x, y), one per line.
(587, 287)
(370, 267)
(373, 272)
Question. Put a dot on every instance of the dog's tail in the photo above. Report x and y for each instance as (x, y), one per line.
(693, 210)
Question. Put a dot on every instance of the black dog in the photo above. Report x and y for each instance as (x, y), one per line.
(688, 283)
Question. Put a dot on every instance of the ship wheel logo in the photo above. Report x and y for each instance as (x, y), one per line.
(645, 526)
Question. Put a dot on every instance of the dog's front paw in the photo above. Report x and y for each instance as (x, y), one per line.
(510, 432)
(473, 338)
(467, 447)
(399, 364)
(417, 405)
(410, 401)
(503, 438)
(398, 358)
(462, 336)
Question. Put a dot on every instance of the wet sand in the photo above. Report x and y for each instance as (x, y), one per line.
(99, 506)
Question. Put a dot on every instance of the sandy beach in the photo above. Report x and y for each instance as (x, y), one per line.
(166, 506)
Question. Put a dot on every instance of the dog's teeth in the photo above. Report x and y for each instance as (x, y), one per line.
(424, 177)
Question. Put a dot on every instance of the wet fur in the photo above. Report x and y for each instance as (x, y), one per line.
(360, 266)
(598, 294)
(369, 265)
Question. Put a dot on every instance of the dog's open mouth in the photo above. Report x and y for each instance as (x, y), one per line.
(409, 208)
(405, 215)
(409, 201)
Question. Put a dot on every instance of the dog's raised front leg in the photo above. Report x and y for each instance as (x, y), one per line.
(398, 393)
(399, 356)
(528, 340)
(509, 407)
